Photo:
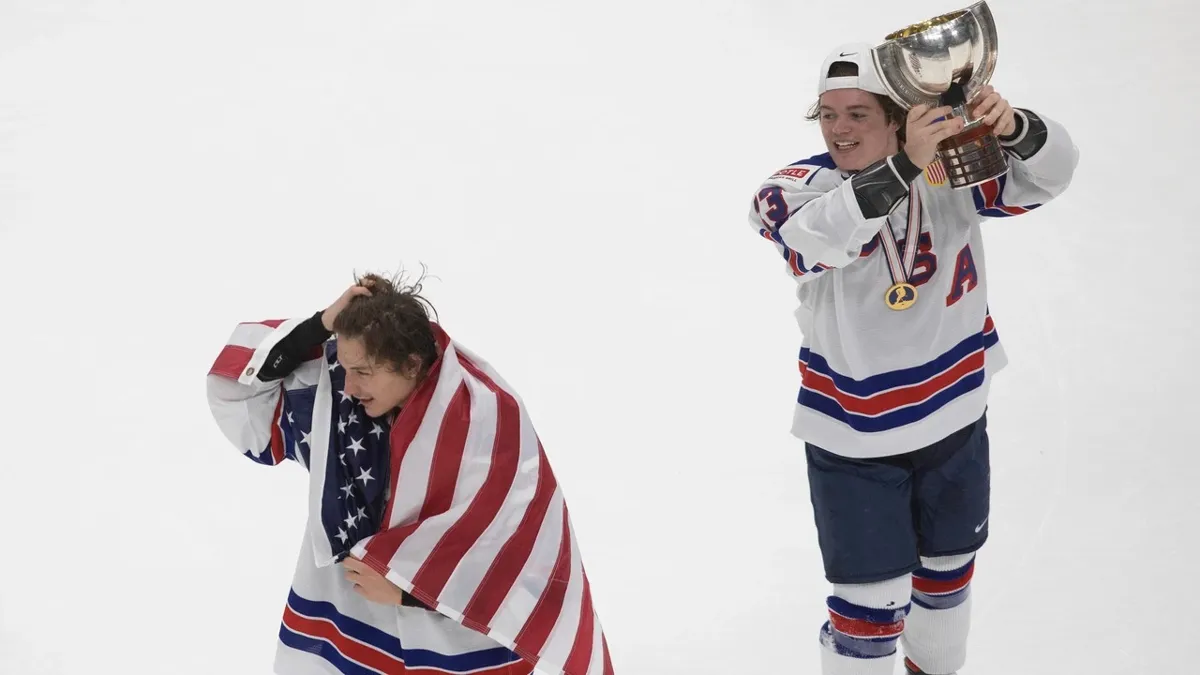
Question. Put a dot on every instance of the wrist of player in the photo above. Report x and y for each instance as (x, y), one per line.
(293, 349)
(905, 168)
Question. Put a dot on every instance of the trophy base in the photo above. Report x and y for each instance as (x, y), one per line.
(972, 157)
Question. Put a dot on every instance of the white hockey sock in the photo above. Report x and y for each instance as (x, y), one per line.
(935, 634)
(865, 621)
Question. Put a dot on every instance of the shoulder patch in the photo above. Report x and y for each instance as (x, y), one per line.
(935, 173)
(804, 170)
(792, 173)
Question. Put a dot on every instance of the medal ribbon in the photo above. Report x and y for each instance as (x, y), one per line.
(902, 272)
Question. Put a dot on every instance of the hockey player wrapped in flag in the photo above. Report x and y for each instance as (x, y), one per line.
(438, 539)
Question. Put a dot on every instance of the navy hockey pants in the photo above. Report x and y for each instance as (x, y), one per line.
(876, 517)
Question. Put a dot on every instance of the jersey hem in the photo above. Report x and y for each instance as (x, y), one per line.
(838, 438)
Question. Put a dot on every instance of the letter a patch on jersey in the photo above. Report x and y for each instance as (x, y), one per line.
(966, 277)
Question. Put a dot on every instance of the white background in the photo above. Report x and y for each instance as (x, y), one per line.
(576, 177)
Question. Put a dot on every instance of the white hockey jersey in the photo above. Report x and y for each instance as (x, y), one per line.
(876, 381)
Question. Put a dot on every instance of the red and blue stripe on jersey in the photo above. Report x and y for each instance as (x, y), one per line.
(900, 397)
(356, 648)
(989, 200)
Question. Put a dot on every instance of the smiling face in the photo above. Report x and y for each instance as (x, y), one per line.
(856, 129)
(378, 386)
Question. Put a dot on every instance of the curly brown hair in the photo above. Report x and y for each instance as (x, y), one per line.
(891, 110)
(394, 324)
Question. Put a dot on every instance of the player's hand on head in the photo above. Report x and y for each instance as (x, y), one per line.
(331, 312)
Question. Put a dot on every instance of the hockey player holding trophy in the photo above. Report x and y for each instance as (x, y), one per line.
(882, 234)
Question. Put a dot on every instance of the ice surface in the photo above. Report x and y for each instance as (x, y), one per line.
(576, 175)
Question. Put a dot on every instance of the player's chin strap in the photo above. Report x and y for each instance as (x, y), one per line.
(882, 185)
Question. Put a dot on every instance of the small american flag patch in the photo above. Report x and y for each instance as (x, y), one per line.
(935, 173)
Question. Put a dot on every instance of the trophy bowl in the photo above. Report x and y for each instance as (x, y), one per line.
(947, 60)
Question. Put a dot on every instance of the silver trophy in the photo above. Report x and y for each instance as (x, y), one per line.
(947, 60)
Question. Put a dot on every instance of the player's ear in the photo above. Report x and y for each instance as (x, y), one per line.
(411, 368)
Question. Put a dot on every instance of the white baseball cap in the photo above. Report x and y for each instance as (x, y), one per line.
(858, 53)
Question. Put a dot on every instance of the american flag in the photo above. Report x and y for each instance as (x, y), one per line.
(354, 497)
(454, 500)
(935, 173)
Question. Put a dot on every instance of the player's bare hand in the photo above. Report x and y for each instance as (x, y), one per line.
(995, 110)
(371, 584)
(338, 305)
(924, 130)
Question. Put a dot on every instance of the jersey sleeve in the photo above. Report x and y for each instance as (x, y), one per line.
(813, 229)
(261, 399)
(1032, 180)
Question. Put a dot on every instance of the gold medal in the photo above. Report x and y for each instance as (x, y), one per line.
(901, 296)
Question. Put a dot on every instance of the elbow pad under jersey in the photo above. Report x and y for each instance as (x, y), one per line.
(1029, 136)
(294, 348)
(880, 186)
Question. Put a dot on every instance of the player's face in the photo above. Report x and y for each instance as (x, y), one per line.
(377, 386)
(857, 132)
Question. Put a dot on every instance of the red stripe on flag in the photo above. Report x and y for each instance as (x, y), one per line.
(513, 555)
(581, 651)
(382, 547)
(896, 398)
(447, 455)
(278, 452)
(232, 360)
(485, 504)
(404, 429)
(439, 492)
(532, 636)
